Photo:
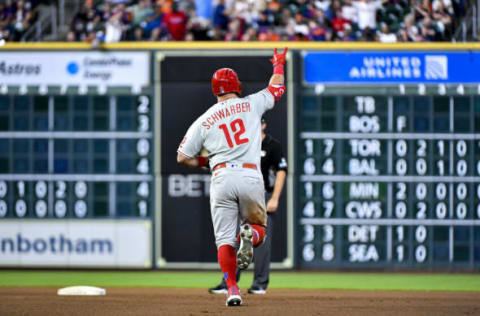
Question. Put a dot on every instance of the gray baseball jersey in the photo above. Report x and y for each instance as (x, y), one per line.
(230, 131)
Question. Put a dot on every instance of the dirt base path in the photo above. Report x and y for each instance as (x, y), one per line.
(161, 301)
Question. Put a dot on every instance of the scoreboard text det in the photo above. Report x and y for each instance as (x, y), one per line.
(389, 180)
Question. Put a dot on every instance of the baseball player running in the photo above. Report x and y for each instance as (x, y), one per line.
(230, 131)
(274, 171)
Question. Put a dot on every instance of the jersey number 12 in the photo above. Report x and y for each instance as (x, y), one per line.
(238, 128)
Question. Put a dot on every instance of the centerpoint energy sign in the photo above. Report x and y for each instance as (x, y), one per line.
(75, 68)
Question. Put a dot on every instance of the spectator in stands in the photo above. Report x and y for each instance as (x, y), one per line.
(9, 9)
(114, 26)
(86, 23)
(198, 27)
(349, 12)
(22, 16)
(15, 19)
(94, 24)
(138, 34)
(234, 32)
(368, 35)
(411, 29)
(348, 34)
(385, 36)
(250, 35)
(268, 35)
(318, 32)
(242, 11)
(366, 13)
(323, 5)
(286, 18)
(339, 21)
(298, 28)
(78, 25)
(141, 11)
(264, 20)
(443, 19)
(4, 22)
(220, 17)
(176, 23)
(427, 31)
(321, 19)
(106, 10)
(447, 6)
(253, 20)
(403, 36)
(152, 25)
(275, 9)
(216, 34)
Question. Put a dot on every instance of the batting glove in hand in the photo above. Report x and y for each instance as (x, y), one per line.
(278, 59)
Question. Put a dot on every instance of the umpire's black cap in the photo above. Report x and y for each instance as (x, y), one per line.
(263, 120)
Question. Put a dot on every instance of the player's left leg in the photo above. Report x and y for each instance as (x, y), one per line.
(224, 210)
(221, 288)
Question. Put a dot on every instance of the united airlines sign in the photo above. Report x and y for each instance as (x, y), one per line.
(391, 67)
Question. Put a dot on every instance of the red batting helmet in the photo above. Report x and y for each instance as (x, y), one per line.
(225, 80)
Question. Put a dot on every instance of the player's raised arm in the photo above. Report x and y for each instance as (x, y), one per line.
(276, 84)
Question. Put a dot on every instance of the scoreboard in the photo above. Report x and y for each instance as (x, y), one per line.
(76, 156)
(389, 180)
(383, 150)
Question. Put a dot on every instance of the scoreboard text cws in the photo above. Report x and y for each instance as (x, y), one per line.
(389, 181)
(75, 156)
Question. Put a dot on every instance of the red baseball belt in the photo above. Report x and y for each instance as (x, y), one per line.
(244, 165)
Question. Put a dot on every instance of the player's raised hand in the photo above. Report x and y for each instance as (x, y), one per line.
(279, 58)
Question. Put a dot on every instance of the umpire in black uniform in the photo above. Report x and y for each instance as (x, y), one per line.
(274, 171)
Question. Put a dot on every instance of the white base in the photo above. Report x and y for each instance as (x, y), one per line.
(81, 290)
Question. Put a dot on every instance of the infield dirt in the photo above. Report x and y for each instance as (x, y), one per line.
(168, 301)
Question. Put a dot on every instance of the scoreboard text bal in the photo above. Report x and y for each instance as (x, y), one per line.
(389, 181)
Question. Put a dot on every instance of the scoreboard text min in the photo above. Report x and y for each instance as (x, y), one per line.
(389, 181)
(76, 156)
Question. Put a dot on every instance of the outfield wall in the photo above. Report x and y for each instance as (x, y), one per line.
(381, 142)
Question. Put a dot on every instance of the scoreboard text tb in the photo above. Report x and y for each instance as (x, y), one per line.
(389, 181)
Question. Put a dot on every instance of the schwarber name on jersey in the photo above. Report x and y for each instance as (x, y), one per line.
(230, 130)
(226, 112)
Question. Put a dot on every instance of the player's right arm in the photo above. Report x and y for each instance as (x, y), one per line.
(192, 143)
(192, 162)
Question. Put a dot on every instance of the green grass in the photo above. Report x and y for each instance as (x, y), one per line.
(279, 280)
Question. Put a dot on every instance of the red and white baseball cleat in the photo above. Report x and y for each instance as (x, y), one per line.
(233, 296)
(245, 251)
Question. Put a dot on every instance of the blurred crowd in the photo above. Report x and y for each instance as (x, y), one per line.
(15, 18)
(249, 20)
